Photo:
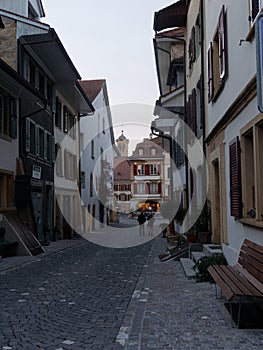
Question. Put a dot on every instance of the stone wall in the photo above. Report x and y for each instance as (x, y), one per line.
(8, 42)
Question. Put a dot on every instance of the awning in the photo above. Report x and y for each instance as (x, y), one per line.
(171, 16)
(51, 53)
(16, 85)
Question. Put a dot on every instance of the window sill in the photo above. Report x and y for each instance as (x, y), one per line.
(251, 222)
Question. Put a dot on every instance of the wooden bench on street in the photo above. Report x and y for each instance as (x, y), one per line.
(242, 282)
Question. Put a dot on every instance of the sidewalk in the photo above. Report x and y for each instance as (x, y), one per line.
(168, 311)
(52, 248)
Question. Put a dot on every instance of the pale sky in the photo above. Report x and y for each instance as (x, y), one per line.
(111, 40)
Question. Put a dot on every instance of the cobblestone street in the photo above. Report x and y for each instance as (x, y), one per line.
(74, 299)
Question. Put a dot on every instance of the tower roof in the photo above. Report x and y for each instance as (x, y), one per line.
(121, 137)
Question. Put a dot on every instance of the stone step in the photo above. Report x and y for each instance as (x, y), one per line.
(187, 265)
(196, 256)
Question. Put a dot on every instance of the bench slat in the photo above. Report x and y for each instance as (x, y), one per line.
(226, 290)
(253, 245)
(247, 287)
(258, 285)
(241, 282)
(251, 265)
(253, 253)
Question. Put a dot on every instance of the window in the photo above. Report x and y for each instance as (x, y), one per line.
(197, 36)
(4, 115)
(153, 169)
(235, 179)
(58, 113)
(92, 149)
(91, 185)
(69, 165)
(255, 7)
(217, 58)
(59, 169)
(140, 188)
(191, 111)
(191, 48)
(65, 119)
(153, 151)
(153, 188)
(252, 170)
(140, 151)
(140, 169)
(37, 78)
(32, 147)
(41, 142)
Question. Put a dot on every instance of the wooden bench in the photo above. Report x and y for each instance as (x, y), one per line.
(242, 282)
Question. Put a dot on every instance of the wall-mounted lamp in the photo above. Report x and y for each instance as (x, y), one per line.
(2, 26)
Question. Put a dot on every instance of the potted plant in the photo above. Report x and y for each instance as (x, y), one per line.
(191, 236)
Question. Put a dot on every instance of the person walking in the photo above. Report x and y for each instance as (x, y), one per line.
(141, 220)
(151, 220)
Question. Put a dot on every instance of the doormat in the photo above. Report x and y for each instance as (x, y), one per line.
(251, 315)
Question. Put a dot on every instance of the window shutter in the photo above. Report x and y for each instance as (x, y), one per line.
(65, 119)
(147, 169)
(159, 188)
(235, 179)
(193, 111)
(222, 43)
(37, 141)
(75, 167)
(53, 150)
(45, 146)
(135, 169)
(66, 163)
(159, 169)
(27, 135)
(210, 73)
(135, 188)
(13, 121)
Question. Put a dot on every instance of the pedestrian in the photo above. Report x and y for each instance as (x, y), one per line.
(151, 220)
(141, 220)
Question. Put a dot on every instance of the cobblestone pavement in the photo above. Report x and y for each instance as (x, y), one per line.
(73, 299)
(82, 296)
(171, 312)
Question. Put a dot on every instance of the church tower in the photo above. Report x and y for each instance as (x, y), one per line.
(123, 145)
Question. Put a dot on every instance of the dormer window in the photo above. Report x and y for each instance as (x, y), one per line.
(140, 151)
